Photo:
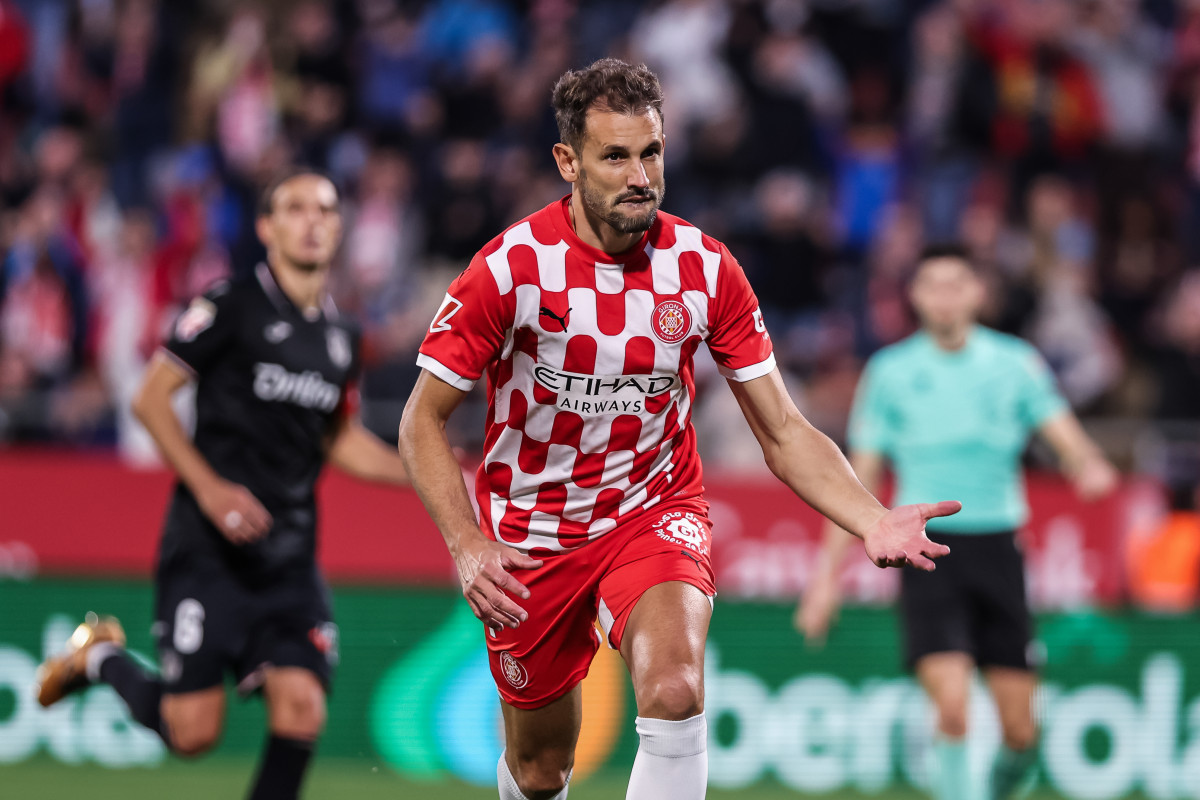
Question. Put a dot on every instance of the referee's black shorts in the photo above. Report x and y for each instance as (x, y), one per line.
(974, 603)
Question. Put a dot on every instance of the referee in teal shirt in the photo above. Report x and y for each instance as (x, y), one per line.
(952, 408)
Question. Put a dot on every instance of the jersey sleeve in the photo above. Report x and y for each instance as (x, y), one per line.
(738, 337)
(351, 402)
(1039, 398)
(871, 415)
(469, 329)
(204, 331)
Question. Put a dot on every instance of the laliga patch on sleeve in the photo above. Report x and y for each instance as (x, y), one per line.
(197, 319)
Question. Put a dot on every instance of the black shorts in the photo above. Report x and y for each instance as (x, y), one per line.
(208, 622)
(974, 602)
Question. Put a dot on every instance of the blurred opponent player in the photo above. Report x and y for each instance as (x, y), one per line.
(952, 408)
(237, 584)
(585, 317)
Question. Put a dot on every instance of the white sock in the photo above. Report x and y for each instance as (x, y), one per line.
(95, 657)
(509, 790)
(672, 759)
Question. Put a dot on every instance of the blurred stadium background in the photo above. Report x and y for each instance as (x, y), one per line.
(824, 140)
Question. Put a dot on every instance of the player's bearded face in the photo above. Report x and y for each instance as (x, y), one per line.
(621, 172)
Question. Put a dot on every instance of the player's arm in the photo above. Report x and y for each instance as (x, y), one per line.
(1045, 410)
(232, 508)
(811, 465)
(822, 596)
(483, 564)
(358, 452)
(1079, 458)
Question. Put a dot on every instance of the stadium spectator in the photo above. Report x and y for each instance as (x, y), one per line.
(1164, 555)
(126, 329)
(1177, 363)
(43, 316)
(1047, 114)
(950, 104)
(955, 110)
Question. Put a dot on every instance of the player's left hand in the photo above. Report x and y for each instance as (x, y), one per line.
(1095, 479)
(898, 538)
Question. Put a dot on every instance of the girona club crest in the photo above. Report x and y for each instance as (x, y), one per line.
(514, 671)
(671, 321)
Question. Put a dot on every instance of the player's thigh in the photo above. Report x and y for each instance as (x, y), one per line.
(194, 720)
(292, 630)
(199, 622)
(934, 607)
(295, 700)
(663, 645)
(541, 741)
(547, 655)
(1004, 625)
(946, 679)
(1013, 692)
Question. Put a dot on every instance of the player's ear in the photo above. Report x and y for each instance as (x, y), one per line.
(262, 227)
(568, 162)
(978, 290)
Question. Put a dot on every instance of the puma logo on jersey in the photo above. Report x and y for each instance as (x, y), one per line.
(545, 312)
(273, 383)
(563, 320)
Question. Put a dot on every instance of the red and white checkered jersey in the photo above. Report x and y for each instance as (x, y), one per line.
(589, 366)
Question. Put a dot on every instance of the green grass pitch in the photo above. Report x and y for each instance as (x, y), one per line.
(330, 779)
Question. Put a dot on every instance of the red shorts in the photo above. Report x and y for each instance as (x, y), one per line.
(549, 653)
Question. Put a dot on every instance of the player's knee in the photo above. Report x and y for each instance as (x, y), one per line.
(195, 737)
(299, 715)
(303, 717)
(952, 721)
(543, 775)
(676, 695)
(1020, 736)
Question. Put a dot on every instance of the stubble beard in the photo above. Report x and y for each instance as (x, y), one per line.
(603, 208)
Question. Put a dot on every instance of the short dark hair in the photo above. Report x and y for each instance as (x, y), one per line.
(266, 200)
(938, 250)
(609, 85)
(944, 250)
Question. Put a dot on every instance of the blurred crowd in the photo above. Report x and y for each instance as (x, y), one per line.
(825, 141)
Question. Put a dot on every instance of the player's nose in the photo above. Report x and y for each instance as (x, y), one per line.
(637, 174)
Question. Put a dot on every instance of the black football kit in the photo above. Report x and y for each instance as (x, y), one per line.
(272, 383)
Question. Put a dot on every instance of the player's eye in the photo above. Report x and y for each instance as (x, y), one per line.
(613, 157)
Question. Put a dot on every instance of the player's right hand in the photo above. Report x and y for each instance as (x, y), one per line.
(484, 570)
(818, 609)
(235, 511)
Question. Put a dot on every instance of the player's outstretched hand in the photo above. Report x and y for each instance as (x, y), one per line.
(235, 511)
(898, 539)
(485, 571)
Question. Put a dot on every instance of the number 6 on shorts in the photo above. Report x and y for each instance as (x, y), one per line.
(189, 626)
